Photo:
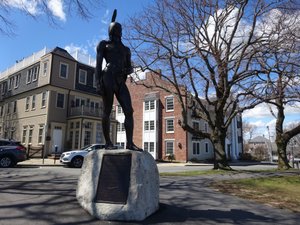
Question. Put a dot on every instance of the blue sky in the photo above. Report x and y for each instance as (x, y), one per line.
(72, 32)
(34, 34)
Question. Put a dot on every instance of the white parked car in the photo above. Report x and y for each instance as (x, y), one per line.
(75, 158)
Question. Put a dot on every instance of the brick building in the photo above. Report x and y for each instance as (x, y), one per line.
(156, 128)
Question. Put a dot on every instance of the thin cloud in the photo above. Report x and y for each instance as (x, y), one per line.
(105, 18)
(35, 7)
(57, 9)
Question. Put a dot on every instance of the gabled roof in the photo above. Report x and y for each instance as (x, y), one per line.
(259, 139)
(62, 52)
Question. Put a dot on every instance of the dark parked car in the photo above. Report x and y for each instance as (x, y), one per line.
(11, 152)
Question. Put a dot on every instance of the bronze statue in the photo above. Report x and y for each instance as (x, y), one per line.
(112, 81)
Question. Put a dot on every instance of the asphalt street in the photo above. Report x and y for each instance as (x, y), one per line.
(46, 195)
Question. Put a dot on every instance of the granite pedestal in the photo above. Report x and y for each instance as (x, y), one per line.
(119, 185)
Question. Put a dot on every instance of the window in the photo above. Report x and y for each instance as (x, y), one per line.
(169, 147)
(35, 72)
(10, 83)
(94, 81)
(44, 98)
(196, 148)
(24, 134)
(206, 147)
(8, 107)
(29, 75)
(79, 102)
(119, 109)
(146, 125)
(205, 127)
(170, 125)
(82, 76)
(76, 144)
(45, 67)
(149, 146)
(15, 107)
(17, 80)
(146, 146)
(41, 134)
(152, 127)
(33, 102)
(63, 72)
(1, 110)
(149, 125)
(87, 137)
(170, 103)
(149, 105)
(196, 126)
(60, 100)
(27, 104)
(30, 134)
(120, 127)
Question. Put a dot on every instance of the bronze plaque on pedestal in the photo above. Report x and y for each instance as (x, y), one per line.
(114, 179)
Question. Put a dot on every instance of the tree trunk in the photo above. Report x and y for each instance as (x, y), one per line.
(220, 160)
(283, 162)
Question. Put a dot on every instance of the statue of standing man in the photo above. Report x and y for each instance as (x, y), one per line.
(111, 81)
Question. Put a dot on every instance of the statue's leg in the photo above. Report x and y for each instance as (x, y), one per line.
(108, 96)
(124, 99)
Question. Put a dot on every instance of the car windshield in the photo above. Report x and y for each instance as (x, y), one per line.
(86, 147)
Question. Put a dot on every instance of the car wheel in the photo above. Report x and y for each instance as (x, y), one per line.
(77, 162)
(6, 161)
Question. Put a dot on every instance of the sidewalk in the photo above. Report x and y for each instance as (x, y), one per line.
(41, 162)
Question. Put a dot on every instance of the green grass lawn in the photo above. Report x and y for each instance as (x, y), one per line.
(281, 191)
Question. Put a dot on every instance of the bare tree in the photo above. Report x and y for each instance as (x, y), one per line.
(248, 129)
(209, 47)
(282, 82)
(37, 9)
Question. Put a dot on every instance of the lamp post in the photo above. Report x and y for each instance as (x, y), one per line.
(270, 149)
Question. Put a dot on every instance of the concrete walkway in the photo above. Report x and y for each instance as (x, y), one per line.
(46, 196)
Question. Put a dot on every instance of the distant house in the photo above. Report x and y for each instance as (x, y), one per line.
(261, 147)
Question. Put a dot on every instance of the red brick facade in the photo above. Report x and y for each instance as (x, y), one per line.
(138, 92)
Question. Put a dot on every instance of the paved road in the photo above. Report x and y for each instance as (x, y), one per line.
(46, 196)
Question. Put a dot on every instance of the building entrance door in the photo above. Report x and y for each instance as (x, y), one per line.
(57, 140)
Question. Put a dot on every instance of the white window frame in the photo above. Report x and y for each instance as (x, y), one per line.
(45, 67)
(84, 73)
(119, 109)
(167, 127)
(35, 73)
(29, 76)
(41, 133)
(27, 103)
(10, 83)
(44, 99)
(171, 97)
(173, 146)
(30, 134)
(33, 102)
(24, 134)
(60, 70)
(57, 94)
(17, 80)
(149, 105)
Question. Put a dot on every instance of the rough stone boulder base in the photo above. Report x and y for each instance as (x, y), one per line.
(143, 194)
